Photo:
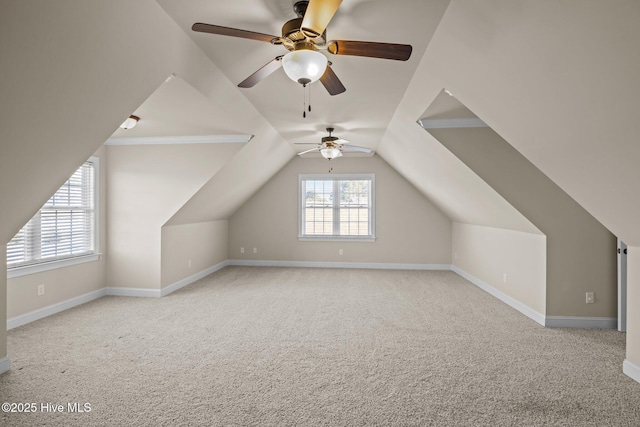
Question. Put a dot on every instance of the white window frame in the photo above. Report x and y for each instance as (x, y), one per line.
(302, 178)
(94, 255)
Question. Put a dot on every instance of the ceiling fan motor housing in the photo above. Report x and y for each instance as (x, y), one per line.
(292, 35)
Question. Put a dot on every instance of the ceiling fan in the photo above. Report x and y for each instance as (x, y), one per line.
(331, 147)
(303, 37)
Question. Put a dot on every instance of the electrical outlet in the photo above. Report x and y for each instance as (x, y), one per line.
(189, 264)
(255, 250)
(241, 250)
(41, 289)
(504, 277)
(340, 252)
(590, 298)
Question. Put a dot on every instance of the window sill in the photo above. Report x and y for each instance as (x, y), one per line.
(52, 265)
(335, 239)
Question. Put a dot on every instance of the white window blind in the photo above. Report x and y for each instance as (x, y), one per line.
(337, 207)
(65, 227)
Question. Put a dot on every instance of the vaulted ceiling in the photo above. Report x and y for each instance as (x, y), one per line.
(374, 86)
(375, 89)
(558, 82)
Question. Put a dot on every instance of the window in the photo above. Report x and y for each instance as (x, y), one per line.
(337, 207)
(63, 231)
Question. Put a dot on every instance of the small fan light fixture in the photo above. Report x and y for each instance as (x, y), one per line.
(331, 147)
(130, 123)
(304, 65)
(330, 152)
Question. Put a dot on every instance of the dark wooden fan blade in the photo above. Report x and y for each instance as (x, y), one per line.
(318, 16)
(233, 32)
(399, 52)
(331, 82)
(263, 72)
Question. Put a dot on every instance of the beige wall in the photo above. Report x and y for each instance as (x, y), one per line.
(409, 228)
(191, 248)
(581, 252)
(64, 283)
(633, 296)
(61, 284)
(147, 185)
(489, 253)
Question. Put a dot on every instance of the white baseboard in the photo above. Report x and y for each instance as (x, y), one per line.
(41, 313)
(630, 369)
(133, 292)
(581, 322)
(5, 365)
(189, 280)
(512, 302)
(328, 264)
(547, 321)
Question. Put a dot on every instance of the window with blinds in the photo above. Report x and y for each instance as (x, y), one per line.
(64, 228)
(336, 207)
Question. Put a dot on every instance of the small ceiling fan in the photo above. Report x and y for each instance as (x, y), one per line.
(331, 147)
(303, 37)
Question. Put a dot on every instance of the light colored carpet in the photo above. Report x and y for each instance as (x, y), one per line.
(288, 346)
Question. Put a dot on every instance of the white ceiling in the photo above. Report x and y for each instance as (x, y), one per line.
(361, 114)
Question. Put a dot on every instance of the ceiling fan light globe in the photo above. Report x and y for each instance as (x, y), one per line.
(330, 153)
(304, 66)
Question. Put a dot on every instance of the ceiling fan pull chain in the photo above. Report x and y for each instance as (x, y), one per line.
(309, 98)
(304, 102)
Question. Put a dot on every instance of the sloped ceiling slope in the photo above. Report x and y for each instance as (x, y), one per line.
(558, 81)
(178, 109)
(72, 71)
(240, 178)
(433, 169)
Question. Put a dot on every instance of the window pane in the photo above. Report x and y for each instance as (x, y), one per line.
(64, 227)
(336, 207)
